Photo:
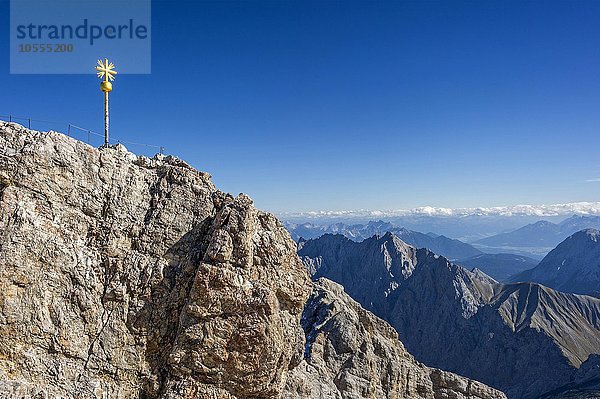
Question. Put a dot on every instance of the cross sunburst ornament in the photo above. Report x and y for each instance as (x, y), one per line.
(106, 70)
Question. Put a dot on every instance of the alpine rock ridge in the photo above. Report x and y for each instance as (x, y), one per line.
(573, 266)
(524, 339)
(125, 276)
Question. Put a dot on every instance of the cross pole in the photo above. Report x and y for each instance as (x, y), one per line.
(106, 72)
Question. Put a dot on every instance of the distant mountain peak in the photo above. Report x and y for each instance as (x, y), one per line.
(379, 223)
(453, 249)
(542, 233)
(573, 266)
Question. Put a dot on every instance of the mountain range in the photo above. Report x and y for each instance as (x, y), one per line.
(541, 234)
(466, 224)
(524, 339)
(499, 266)
(573, 266)
(451, 248)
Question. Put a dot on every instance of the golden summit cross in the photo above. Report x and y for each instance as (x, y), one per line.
(106, 72)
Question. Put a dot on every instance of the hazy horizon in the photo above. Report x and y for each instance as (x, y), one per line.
(541, 210)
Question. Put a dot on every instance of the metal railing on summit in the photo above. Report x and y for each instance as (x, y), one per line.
(77, 132)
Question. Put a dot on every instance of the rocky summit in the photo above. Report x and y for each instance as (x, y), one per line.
(123, 276)
(126, 277)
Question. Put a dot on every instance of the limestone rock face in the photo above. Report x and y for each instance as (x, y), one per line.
(130, 277)
(350, 353)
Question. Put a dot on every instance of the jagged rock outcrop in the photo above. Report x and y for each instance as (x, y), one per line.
(130, 277)
(350, 353)
(368, 271)
(573, 266)
(524, 339)
(127, 277)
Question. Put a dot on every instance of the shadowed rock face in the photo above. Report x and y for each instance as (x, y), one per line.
(573, 266)
(127, 277)
(524, 339)
(350, 353)
(130, 277)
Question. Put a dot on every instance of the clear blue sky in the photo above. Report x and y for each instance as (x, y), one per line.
(347, 105)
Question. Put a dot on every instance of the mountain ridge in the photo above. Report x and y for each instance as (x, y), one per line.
(573, 266)
(472, 324)
(452, 248)
(542, 233)
(350, 350)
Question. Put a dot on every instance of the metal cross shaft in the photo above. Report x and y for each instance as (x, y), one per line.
(107, 72)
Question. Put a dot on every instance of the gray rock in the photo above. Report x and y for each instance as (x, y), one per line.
(350, 353)
(524, 339)
(126, 277)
